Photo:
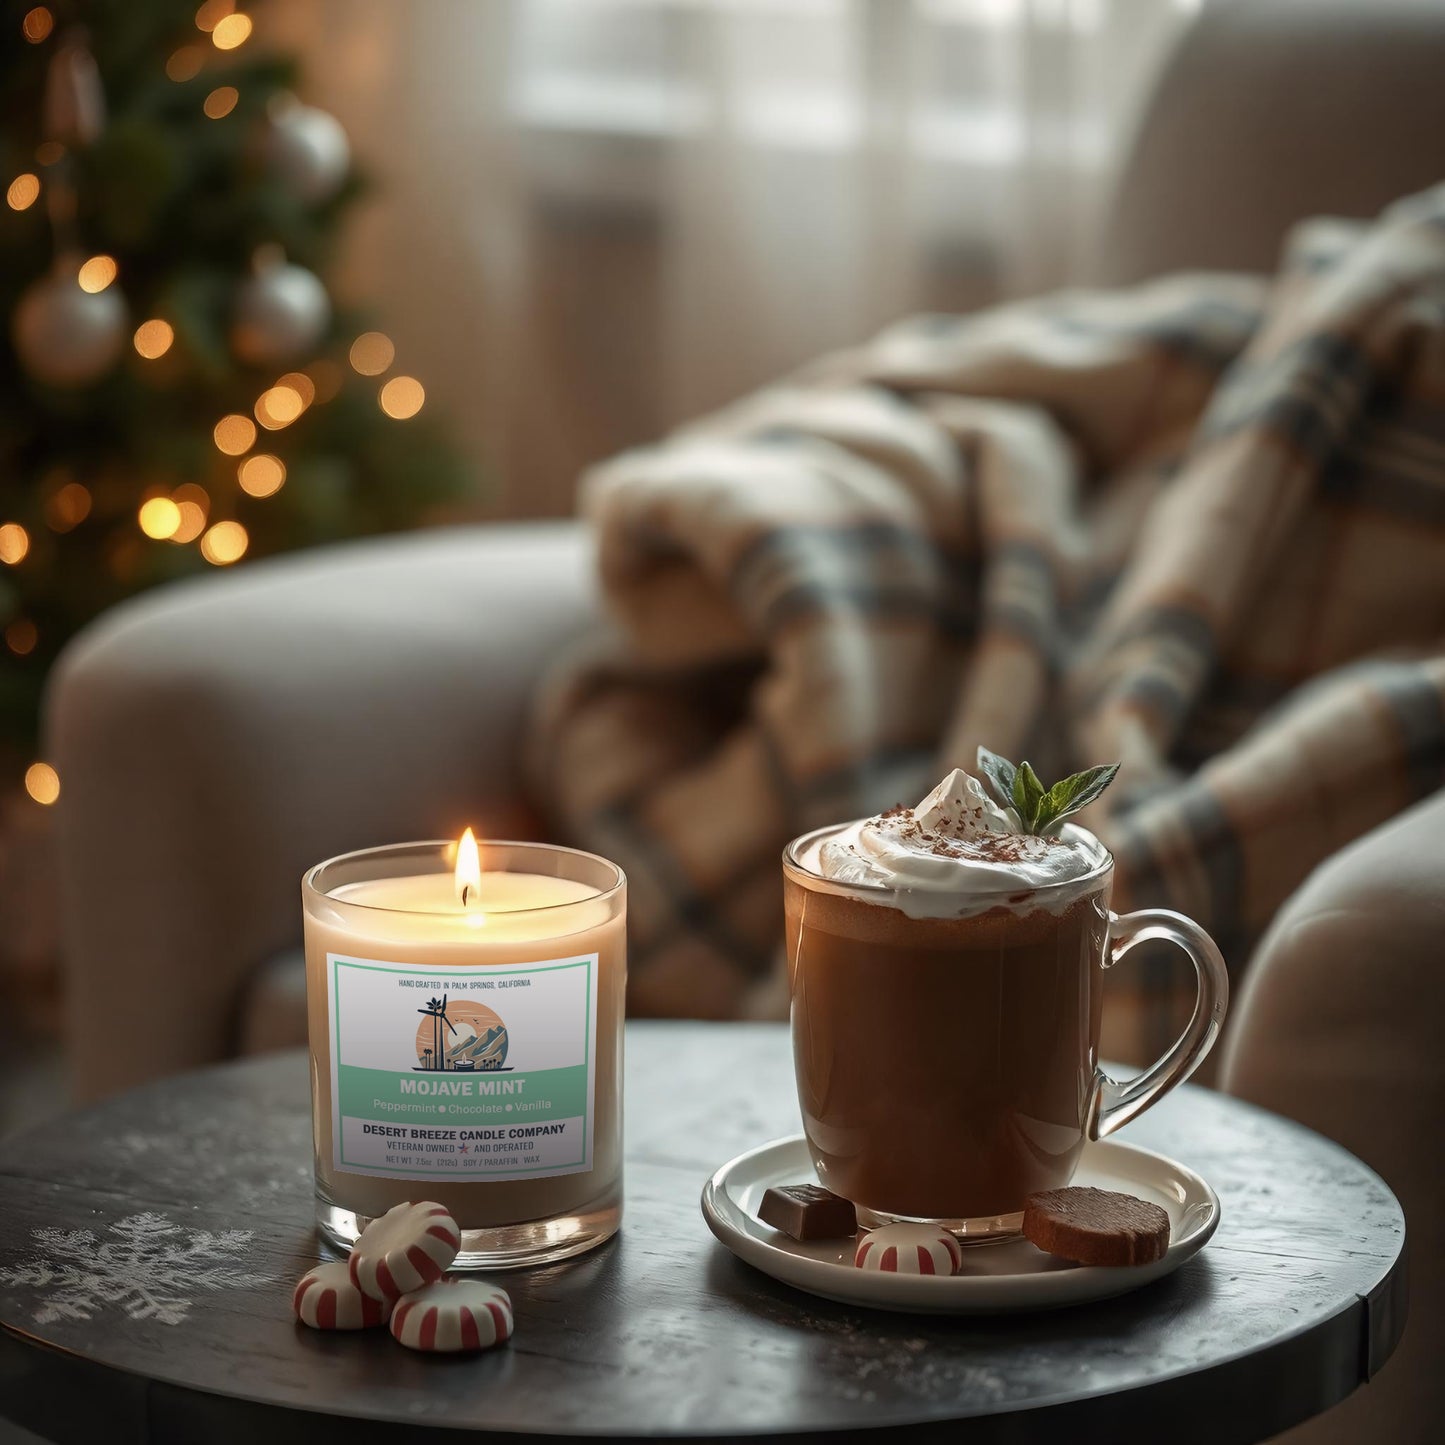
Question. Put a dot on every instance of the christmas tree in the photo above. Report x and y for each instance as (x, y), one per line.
(178, 392)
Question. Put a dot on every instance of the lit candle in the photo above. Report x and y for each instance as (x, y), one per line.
(466, 1009)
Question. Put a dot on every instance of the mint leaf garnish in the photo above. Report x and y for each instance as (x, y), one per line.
(1041, 810)
(1000, 772)
(1075, 793)
(1028, 797)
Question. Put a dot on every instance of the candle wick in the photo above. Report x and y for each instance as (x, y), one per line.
(466, 891)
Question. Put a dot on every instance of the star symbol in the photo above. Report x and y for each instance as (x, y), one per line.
(463, 1150)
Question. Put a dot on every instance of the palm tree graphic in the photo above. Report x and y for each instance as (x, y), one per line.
(437, 1010)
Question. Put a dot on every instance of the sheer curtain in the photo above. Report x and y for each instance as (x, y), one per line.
(599, 217)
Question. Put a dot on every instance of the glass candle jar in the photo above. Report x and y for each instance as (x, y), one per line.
(465, 1008)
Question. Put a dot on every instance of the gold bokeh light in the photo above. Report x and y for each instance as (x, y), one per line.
(195, 506)
(69, 507)
(235, 434)
(185, 63)
(14, 543)
(402, 397)
(279, 407)
(23, 191)
(190, 492)
(301, 384)
(192, 523)
(97, 273)
(231, 31)
(372, 353)
(221, 101)
(153, 338)
(262, 475)
(213, 12)
(225, 543)
(21, 637)
(42, 782)
(37, 25)
(159, 517)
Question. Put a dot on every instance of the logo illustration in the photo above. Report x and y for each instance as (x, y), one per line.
(459, 1037)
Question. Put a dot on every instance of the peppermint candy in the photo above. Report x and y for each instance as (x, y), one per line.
(453, 1316)
(326, 1299)
(407, 1247)
(909, 1249)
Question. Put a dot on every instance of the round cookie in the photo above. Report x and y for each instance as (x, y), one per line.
(1095, 1226)
(909, 1249)
(326, 1299)
(453, 1316)
(402, 1250)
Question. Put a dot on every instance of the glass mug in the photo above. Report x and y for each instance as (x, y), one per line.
(948, 1068)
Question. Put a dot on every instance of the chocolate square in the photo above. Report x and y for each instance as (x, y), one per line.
(808, 1211)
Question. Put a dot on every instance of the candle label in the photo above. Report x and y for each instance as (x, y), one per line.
(463, 1073)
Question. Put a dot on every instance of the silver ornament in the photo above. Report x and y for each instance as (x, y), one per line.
(308, 151)
(281, 313)
(66, 336)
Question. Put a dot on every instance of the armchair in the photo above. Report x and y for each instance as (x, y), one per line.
(218, 737)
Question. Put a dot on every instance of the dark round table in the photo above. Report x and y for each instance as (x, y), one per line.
(148, 1248)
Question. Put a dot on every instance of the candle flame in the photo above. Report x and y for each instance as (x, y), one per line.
(469, 869)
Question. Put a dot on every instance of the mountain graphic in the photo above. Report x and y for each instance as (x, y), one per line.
(492, 1044)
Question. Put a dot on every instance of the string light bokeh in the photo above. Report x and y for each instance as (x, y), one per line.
(301, 384)
(21, 636)
(37, 25)
(194, 504)
(23, 191)
(221, 101)
(231, 31)
(158, 518)
(402, 397)
(235, 434)
(212, 12)
(279, 406)
(153, 338)
(68, 507)
(185, 63)
(14, 544)
(97, 273)
(42, 782)
(225, 543)
(262, 475)
(371, 353)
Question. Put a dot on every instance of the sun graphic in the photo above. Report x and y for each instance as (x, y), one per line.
(476, 1038)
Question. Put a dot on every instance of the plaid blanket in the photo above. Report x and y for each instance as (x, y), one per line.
(1197, 527)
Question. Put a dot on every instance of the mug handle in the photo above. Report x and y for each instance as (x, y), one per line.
(1115, 1103)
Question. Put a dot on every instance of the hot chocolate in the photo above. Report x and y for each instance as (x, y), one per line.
(945, 1065)
(946, 967)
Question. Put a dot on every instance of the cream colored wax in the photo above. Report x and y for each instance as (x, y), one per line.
(511, 919)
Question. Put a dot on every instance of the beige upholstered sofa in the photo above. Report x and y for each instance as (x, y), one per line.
(216, 738)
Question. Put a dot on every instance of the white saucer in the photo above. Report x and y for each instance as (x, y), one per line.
(1012, 1275)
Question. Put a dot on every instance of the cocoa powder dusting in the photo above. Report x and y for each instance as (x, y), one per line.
(984, 848)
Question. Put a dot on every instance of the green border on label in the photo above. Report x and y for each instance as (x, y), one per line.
(339, 1133)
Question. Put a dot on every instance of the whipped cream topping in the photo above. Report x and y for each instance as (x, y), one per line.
(957, 853)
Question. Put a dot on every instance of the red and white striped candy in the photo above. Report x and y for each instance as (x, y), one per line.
(407, 1247)
(326, 1299)
(909, 1249)
(453, 1315)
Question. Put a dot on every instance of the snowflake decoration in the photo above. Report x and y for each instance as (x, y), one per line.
(151, 1268)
